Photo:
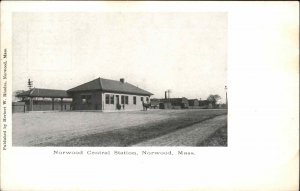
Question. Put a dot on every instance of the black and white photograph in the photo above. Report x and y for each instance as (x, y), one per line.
(119, 79)
(149, 95)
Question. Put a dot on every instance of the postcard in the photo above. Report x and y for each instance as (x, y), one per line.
(109, 95)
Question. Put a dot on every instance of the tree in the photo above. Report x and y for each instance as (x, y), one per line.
(15, 95)
(213, 99)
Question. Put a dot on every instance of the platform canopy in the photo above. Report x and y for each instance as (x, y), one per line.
(44, 93)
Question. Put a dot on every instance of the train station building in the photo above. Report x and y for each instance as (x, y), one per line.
(108, 95)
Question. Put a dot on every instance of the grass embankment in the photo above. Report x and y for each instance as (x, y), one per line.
(219, 138)
(133, 135)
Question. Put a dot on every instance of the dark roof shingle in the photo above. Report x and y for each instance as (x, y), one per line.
(107, 85)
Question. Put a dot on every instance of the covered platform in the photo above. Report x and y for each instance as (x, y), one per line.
(38, 99)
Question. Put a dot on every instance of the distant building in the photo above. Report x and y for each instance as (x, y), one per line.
(205, 104)
(165, 105)
(108, 95)
(179, 102)
(161, 103)
(171, 103)
(193, 102)
(154, 103)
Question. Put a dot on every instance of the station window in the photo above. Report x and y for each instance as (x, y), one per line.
(117, 99)
(106, 98)
(86, 99)
(83, 99)
(147, 99)
(142, 98)
(122, 99)
(126, 100)
(134, 100)
(112, 99)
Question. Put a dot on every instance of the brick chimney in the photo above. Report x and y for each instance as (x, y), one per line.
(122, 80)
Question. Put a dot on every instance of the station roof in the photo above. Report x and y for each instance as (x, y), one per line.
(107, 85)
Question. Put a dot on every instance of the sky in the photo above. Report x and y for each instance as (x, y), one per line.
(183, 52)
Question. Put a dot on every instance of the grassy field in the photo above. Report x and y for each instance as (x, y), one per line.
(100, 128)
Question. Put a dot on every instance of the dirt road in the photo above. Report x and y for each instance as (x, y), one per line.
(102, 129)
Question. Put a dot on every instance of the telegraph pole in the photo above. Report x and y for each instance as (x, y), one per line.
(29, 84)
(169, 92)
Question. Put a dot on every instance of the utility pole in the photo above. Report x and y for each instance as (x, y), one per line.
(29, 84)
(169, 92)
